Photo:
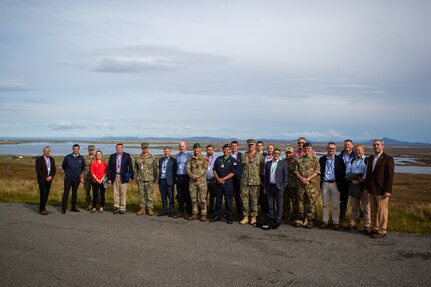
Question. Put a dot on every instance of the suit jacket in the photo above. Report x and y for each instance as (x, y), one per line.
(126, 166)
(381, 179)
(42, 171)
(171, 170)
(281, 176)
(339, 171)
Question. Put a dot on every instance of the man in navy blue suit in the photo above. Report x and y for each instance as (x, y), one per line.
(275, 182)
(120, 172)
(167, 175)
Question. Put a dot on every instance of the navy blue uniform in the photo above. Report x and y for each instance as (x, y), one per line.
(223, 167)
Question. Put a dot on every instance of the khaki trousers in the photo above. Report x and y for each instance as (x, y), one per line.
(119, 193)
(379, 212)
(330, 196)
(365, 204)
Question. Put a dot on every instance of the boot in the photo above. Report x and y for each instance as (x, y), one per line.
(141, 212)
(203, 218)
(193, 217)
(244, 220)
(89, 207)
(150, 212)
(253, 220)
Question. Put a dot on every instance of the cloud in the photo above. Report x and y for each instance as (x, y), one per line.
(66, 126)
(150, 58)
(12, 86)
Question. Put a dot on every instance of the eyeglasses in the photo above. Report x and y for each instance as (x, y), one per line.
(301, 142)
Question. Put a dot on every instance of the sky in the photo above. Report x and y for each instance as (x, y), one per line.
(326, 70)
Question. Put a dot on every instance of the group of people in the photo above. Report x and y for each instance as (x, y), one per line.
(285, 189)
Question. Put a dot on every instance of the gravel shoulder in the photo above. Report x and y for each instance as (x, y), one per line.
(79, 249)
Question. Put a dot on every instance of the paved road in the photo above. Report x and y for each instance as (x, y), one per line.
(82, 249)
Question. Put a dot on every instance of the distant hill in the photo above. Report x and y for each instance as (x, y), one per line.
(389, 141)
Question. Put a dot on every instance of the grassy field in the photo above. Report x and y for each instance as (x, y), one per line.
(410, 206)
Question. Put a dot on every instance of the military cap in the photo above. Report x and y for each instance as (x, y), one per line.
(196, 145)
(145, 145)
(226, 146)
(251, 141)
(289, 149)
(307, 144)
(91, 147)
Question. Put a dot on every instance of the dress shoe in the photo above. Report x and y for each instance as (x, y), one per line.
(93, 210)
(122, 211)
(265, 227)
(162, 214)
(324, 226)
(75, 210)
(336, 226)
(253, 220)
(116, 211)
(141, 212)
(179, 215)
(44, 212)
(170, 215)
(244, 220)
(367, 231)
(203, 218)
(63, 212)
(229, 221)
(378, 235)
(215, 219)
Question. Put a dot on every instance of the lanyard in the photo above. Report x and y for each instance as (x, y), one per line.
(329, 163)
(275, 166)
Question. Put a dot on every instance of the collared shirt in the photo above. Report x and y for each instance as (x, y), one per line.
(234, 155)
(347, 158)
(164, 166)
(357, 166)
(376, 158)
(48, 163)
(211, 161)
(329, 168)
(268, 158)
(118, 164)
(182, 159)
(273, 168)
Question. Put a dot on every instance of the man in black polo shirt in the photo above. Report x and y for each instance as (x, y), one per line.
(224, 170)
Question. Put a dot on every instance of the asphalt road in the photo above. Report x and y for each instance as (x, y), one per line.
(83, 249)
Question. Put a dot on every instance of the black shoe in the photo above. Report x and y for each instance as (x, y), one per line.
(215, 219)
(116, 211)
(170, 215)
(122, 212)
(162, 214)
(75, 210)
(63, 212)
(266, 227)
(229, 221)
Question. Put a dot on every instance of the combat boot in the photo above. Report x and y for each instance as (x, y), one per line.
(253, 220)
(193, 217)
(141, 212)
(244, 220)
(150, 212)
(203, 218)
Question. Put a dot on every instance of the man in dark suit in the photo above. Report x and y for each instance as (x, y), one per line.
(380, 177)
(237, 178)
(167, 175)
(45, 170)
(120, 172)
(275, 182)
(333, 171)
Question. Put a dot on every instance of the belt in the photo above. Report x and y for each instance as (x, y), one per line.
(212, 179)
(329, 181)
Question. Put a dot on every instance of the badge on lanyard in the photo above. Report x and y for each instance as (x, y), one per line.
(222, 165)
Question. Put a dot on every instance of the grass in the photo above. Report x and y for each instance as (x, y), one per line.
(410, 206)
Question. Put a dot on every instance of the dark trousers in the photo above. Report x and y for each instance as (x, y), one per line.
(67, 185)
(263, 201)
(221, 191)
(237, 194)
(183, 194)
(211, 195)
(44, 189)
(344, 197)
(98, 189)
(275, 198)
(166, 191)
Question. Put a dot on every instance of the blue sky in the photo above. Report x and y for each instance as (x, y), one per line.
(263, 69)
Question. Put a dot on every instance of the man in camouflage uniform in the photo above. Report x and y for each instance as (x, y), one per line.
(307, 172)
(87, 176)
(290, 196)
(146, 175)
(196, 168)
(252, 163)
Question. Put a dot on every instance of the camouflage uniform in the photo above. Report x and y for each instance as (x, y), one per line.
(87, 180)
(196, 168)
(146, 176)
(307, 194)
(252, 170)
(291, 192)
